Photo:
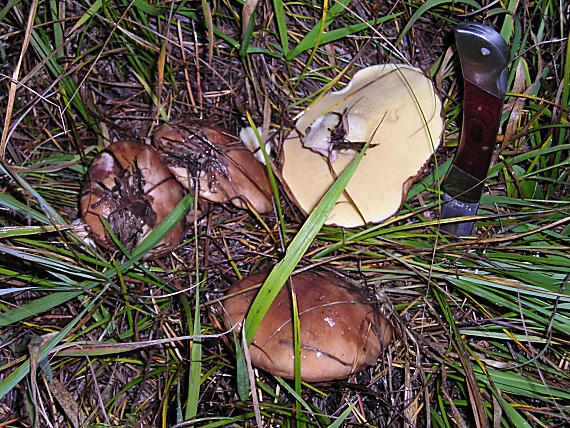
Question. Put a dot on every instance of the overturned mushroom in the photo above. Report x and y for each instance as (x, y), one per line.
(340, 332)
(215, 162)
(395, 109)
(128, 185)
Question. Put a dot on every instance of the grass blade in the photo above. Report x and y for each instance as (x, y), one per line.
(195, 363)
(427, 6)
(338, 423)
(281, 25)
(299, 245)
(53, 300)
(10, 381)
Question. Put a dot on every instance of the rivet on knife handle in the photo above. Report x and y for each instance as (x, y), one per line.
(484, 56)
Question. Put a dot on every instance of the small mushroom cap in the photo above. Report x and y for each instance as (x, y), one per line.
(386, 105)
(340, 333)
(129, 186)
(226, 170)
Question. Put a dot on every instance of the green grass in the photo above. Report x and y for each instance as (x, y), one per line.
(481, 323)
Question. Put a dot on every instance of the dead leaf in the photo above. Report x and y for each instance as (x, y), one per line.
(67, 402)
(15, 77)
(516, 104)
(248, 9)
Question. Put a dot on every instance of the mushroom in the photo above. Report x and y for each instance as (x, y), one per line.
(392, 107)
(248, 137)
(340, 332)
(128, 185)
(216, 162)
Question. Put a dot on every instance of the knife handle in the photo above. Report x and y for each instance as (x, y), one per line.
(481, 117)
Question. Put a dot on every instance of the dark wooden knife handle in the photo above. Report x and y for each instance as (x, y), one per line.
(481, 117)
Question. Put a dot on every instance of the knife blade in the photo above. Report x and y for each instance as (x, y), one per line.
(484, 55)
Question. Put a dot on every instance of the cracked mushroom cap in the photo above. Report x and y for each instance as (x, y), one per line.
(217, 162)
(340, 332)
(387, 105)
(128, 185)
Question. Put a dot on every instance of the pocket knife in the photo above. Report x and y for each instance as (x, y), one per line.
(484, 55)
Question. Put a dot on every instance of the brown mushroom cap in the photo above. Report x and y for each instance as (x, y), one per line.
(226, 170)
(340, 332)
(387, 105)
(129, 186)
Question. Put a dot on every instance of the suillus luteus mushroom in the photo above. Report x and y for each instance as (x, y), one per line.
(341, 332)
(216, 163)
(128, 185)
(392, 107)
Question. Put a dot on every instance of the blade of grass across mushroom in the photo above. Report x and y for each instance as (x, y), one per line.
(242, 379)
(297, 354)
(272, 181)
(374, 230)
(52, 300)
(295, 251)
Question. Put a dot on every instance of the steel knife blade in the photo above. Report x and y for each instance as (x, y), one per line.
(484, 55)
